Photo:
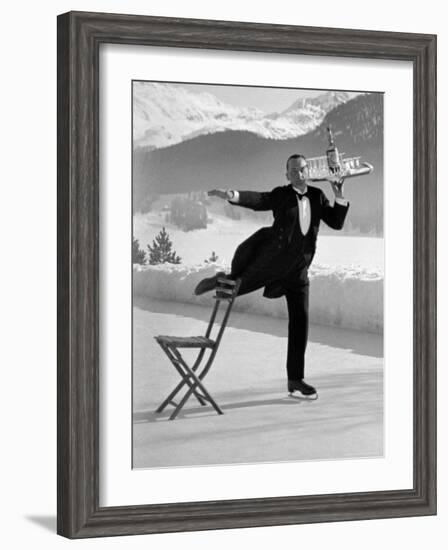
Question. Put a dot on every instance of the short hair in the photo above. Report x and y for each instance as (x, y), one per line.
(294, 157)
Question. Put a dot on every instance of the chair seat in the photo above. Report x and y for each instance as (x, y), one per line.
(186, 341)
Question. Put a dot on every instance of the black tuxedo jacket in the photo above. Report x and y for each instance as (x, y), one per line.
(274, 251)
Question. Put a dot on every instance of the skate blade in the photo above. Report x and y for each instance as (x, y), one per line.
(301, 397)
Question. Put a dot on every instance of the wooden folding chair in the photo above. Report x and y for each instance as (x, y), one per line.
(192, 377)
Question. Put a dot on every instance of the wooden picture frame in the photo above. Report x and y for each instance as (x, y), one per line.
(79, 38)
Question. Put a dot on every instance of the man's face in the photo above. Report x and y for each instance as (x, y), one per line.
(297, 172)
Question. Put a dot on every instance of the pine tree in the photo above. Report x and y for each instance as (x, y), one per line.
(138, 255)
(161, 250)
(213, 258)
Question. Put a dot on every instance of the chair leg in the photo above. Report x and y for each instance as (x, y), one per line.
(192, 387)
(172, 356)
(173, 394)
(182, 383)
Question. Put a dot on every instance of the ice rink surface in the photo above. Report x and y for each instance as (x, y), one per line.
(248, 380)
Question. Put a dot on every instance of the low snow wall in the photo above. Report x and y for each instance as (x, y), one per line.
(345, 297)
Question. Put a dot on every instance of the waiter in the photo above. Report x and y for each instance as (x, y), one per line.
(278, 257)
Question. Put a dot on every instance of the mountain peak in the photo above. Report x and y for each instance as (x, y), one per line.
(165, 114)
(325, 101)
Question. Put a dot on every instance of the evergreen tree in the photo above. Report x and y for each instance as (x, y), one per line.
(161, 250)
(213, 258)
(138, 255)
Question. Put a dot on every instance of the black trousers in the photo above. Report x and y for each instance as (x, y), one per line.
(297, 300)
(295, 285)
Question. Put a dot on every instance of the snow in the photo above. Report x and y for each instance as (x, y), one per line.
(346, 276)
(346, 297)
(223, 235)
(166, 114)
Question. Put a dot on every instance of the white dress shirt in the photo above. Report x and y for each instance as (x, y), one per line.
(305, 210)
(304, 207)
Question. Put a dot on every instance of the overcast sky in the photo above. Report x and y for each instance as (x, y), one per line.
(268, 100)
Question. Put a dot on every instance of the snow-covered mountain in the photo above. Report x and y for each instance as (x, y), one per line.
(244, 160)
(166, 114)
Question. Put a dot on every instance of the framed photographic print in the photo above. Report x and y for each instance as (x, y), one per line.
(246, 274)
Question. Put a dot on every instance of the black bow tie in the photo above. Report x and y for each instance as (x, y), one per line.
(301, 195)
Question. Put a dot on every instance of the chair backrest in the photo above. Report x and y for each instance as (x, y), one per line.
(225, 293)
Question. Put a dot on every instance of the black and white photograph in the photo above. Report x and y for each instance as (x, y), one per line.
(257, 274)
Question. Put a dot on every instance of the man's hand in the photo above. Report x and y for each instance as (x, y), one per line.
(221, 193)
(338, 187)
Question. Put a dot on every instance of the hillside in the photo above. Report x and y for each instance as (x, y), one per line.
(243, 160)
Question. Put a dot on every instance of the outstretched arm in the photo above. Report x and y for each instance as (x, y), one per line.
(249, 199)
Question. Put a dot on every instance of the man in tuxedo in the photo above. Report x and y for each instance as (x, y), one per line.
(278, 257)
